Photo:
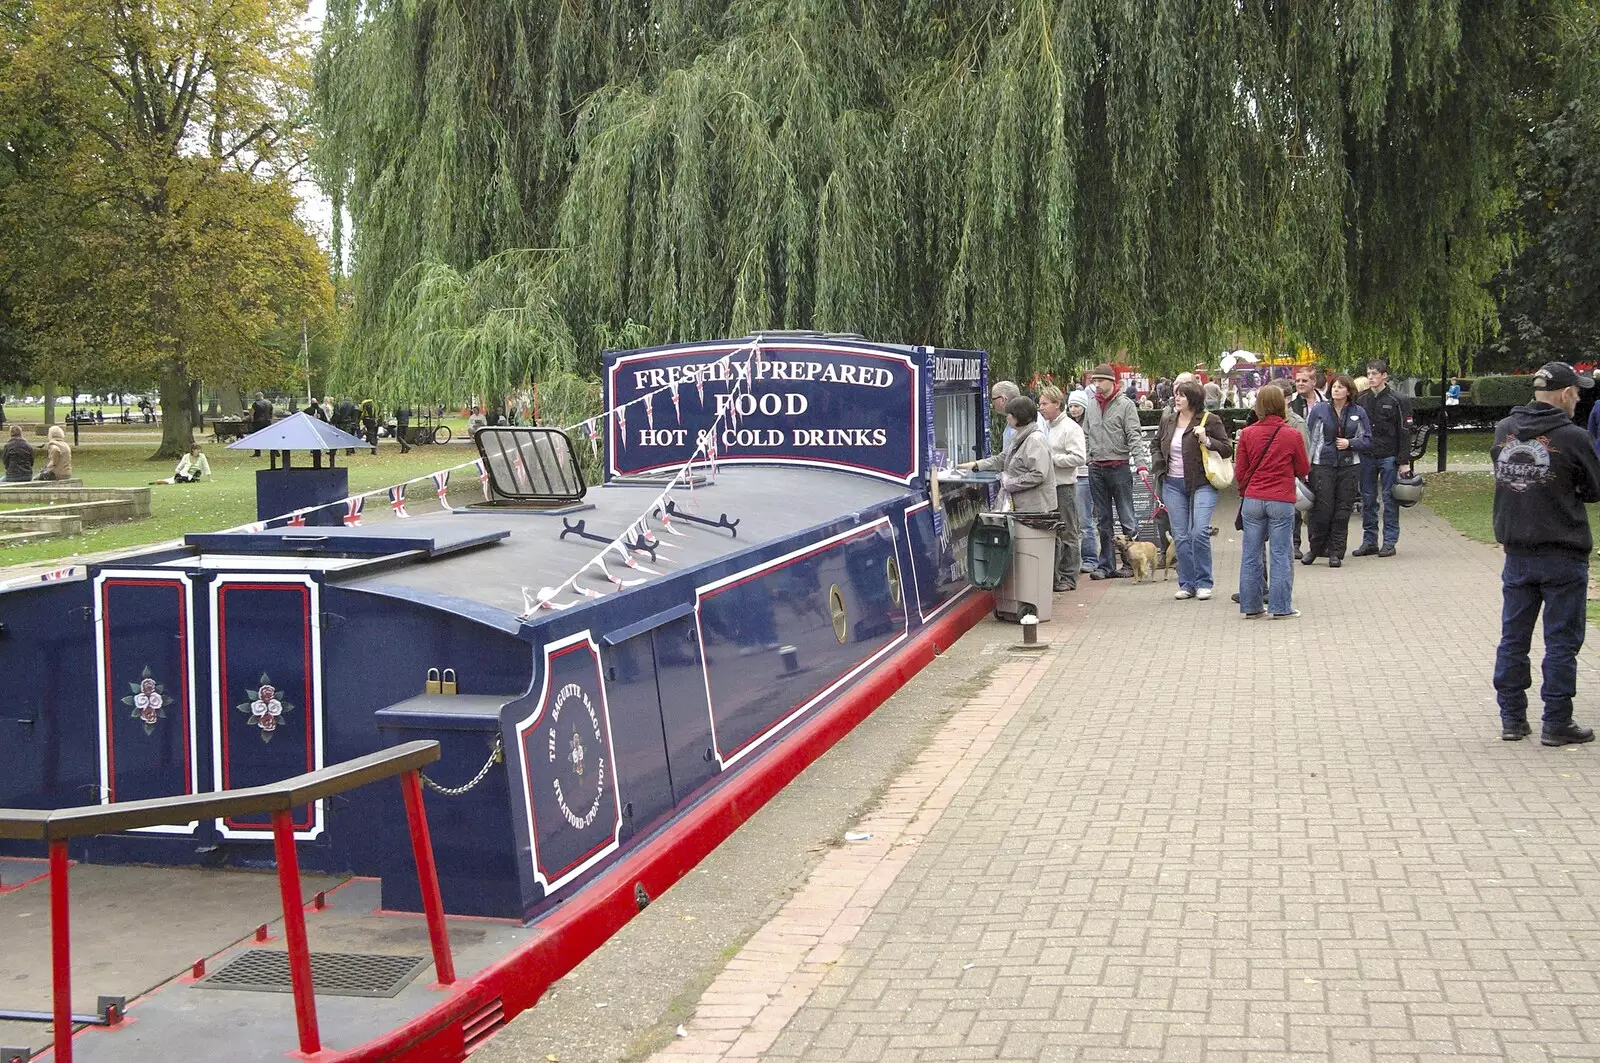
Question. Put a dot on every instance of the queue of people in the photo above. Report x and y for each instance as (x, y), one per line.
(1300, 465)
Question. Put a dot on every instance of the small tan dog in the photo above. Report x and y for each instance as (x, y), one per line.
(1140, 556)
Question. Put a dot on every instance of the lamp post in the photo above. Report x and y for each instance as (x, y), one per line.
(74, 413)
(1444, 408)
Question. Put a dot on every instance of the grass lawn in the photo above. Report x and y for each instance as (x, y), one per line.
(1466, 448)
(226, 501)
(1465, 499)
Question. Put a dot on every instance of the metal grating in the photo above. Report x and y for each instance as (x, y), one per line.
(334, 974)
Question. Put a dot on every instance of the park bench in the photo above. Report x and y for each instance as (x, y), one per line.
(225, 428)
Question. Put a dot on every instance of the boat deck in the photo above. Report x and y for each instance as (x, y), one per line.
(137, 932)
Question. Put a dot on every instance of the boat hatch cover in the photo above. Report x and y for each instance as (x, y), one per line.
(531, 465)
(433, 536)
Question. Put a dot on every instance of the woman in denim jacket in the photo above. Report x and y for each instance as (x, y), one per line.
(1340, 436)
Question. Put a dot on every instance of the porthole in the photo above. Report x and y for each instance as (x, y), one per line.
(841, 622)
(892, 570)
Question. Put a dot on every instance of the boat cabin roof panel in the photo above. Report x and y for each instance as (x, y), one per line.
(768, 503)
(434, 535)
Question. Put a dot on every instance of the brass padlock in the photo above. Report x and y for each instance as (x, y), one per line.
(432, 686)
(448, 684)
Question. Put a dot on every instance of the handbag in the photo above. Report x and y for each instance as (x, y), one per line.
(1238, 518)
(1219, 470)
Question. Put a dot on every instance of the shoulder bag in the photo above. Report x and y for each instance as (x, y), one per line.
(1238, 518)
(1219, 470)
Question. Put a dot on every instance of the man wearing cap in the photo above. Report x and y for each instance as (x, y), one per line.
(1111, 431)
(1390, 418)
(1545, 471)
(999, 397)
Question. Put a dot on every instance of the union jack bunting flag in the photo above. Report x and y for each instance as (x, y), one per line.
(352, 510)
(441, 488)
(52, 576)
(700, 390)
(545, 599)
(397, 501)
(483, 477)
(650, 409)
(296, 520)
(258, 526)
(591, 431)
(677, 410)
(622, 426)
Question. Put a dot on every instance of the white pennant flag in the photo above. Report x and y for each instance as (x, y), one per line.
(606, 572)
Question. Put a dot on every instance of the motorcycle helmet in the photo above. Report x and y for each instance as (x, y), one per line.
(1408, 489)
(1303, 498)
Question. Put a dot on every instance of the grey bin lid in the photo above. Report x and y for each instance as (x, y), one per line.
(298, 431)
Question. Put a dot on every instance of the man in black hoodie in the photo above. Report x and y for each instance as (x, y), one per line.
(1545, 471)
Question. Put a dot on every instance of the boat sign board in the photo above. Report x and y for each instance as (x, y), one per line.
(814, 402)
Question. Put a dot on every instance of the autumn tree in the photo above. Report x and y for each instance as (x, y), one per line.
(148, 215)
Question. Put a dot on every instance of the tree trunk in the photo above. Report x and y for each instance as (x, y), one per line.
(177, 412)
(49, 403)
(230, 398)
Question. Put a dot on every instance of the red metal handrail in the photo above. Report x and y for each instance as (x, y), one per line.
(279, 799)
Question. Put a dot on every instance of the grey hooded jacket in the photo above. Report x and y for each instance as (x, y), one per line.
(1113, 434)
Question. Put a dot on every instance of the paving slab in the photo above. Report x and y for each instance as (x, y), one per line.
(1187, 836)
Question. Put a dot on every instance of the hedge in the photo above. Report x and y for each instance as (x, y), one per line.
(1503, 390)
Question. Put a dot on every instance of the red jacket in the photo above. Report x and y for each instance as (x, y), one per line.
(1270, 474)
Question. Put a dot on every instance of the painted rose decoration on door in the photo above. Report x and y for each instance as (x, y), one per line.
(265, 708)
(148, 701)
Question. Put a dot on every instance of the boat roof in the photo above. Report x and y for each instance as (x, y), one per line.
(485, 556)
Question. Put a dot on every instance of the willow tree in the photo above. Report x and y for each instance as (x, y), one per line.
(1043, 180)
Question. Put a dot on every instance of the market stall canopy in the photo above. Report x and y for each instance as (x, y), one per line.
(298, 431)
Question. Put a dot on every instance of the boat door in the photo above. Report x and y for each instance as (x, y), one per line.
(265, 689)
(145, 679)
(208, 682)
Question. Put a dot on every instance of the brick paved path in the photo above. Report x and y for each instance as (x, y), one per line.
(1184, 836)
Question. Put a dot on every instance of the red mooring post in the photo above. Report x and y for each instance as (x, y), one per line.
(294, 932)
(60, 952)
(428, 877)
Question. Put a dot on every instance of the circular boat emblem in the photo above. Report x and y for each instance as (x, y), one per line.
(580, 787)
(892, 568)
(841, 622)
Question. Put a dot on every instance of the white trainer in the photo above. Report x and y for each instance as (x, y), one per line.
(1183, 595)
(1204, 594)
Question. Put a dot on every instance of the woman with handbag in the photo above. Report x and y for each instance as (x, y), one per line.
(1192, 454)
(1340, 436)
(1271, 456)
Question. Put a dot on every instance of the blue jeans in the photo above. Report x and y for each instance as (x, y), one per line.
(1560, 584)
(1373, 473)
(1091, 532)
(1270, 523)
(1112, 484)
(1191, 530)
